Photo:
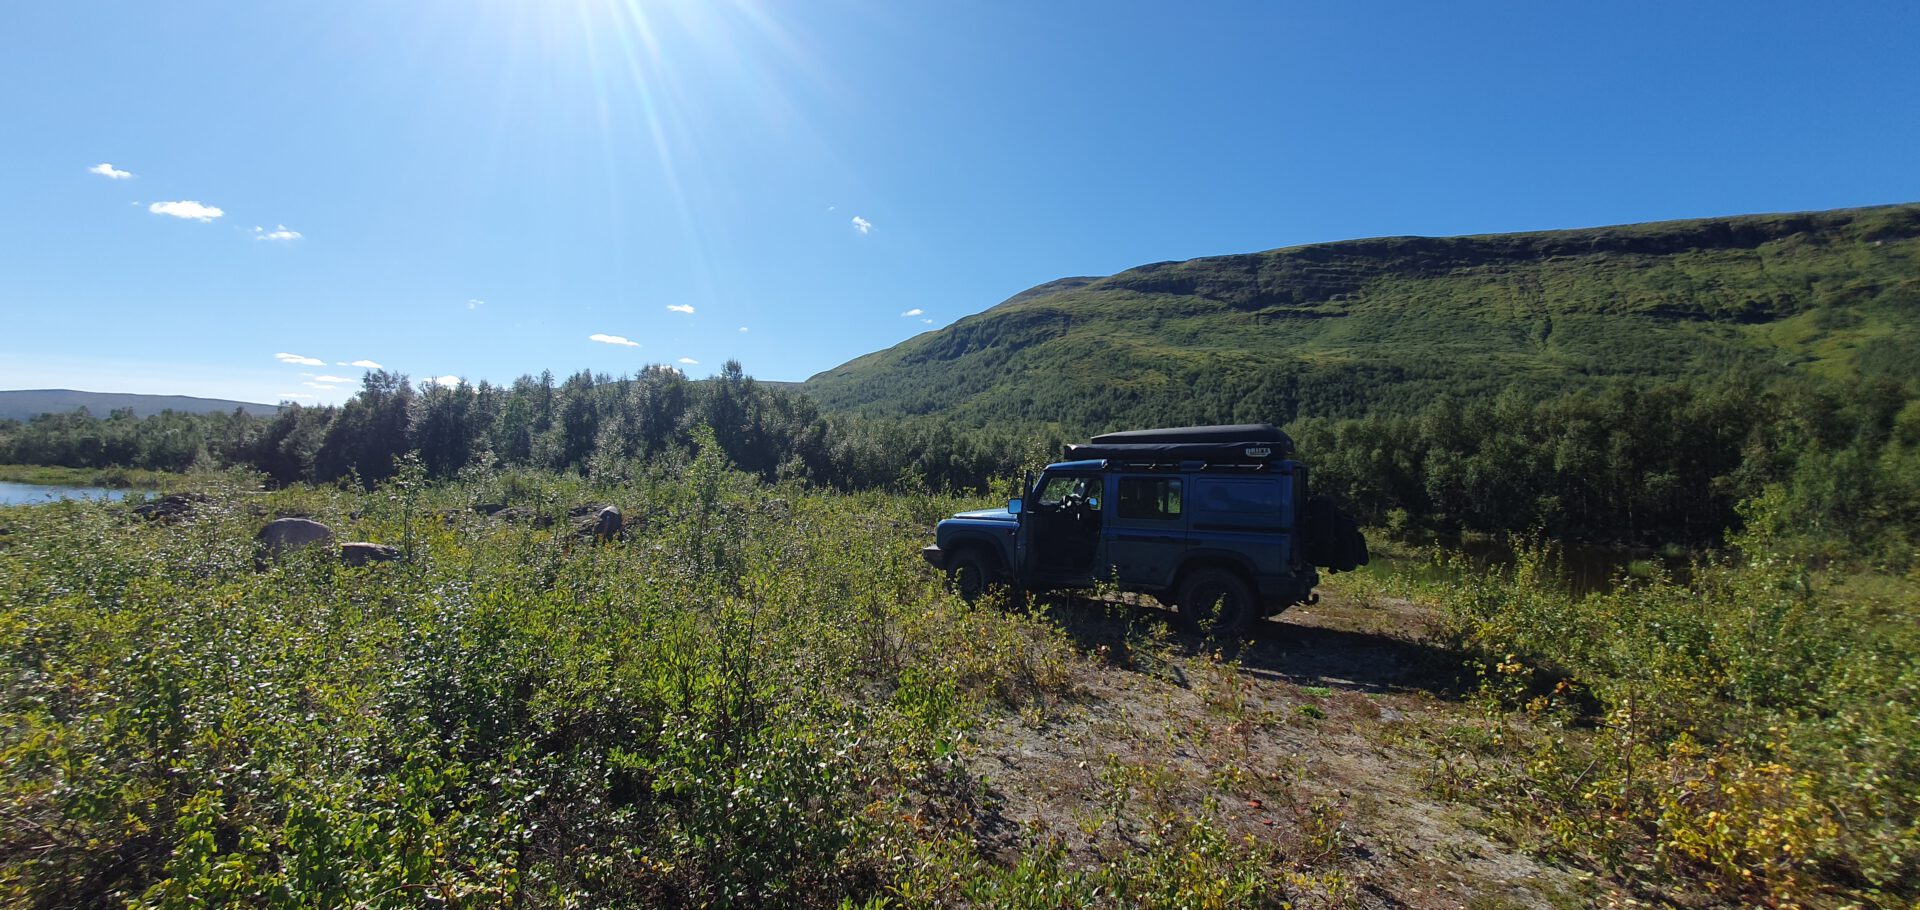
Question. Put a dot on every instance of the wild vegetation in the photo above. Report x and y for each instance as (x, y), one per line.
(1746, 735)
(758, 700)
(1661, 464)
(761, 697)
(588, 424)
(1348, 329)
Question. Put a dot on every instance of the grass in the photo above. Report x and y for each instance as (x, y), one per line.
(117, 478)
(759, 698)
(762, 697)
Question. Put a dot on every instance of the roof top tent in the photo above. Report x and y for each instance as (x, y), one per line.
(1236, 443)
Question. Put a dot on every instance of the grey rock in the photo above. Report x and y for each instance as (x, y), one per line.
(605, 524)
(522, 515)
(172, 507)
(359, 553)
(285, 535)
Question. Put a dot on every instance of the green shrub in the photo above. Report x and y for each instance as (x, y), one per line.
(1752, 731)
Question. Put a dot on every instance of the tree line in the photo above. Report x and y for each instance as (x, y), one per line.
(1645, 463)
(1631, 461)
(588, 423)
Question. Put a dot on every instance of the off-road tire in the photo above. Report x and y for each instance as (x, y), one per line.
(970, 574)
(1217, 603)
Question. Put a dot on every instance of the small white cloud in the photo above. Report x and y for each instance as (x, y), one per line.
(474, 303)
(689, 361)
(862, 225)
(916, 311)
(365, 364)
(285, 357)
(318, 385)
(681, 308)
(927, 321)
(613, 339)
(279, 233)
(832, 208)
(447, 381)
(743, 328)
(331, 379)
(109, 171)
(186, 209)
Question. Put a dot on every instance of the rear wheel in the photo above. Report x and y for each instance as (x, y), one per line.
(1217, 603)
(970, 573)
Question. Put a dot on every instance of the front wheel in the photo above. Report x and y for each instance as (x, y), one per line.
(1216, 603)
(970, 573)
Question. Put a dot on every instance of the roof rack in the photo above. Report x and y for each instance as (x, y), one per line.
(1247, 443)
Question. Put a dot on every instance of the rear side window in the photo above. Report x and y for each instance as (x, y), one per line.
(1240, 502)
(1148, 498)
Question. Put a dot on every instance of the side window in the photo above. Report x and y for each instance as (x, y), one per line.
(1056, 490)
(1148, 498)
(1239, 497)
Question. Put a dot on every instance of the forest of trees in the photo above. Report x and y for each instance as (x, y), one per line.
(1633, 461)
(1649, 464)
(588, 423)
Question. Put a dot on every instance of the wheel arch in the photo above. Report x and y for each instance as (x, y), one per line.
(1214, 559)
(981, 543)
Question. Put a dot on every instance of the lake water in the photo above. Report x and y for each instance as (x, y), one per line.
(26, 494)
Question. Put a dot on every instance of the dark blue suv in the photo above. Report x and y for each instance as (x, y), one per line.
(1214, 521)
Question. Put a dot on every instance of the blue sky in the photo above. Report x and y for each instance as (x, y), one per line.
(480, 188)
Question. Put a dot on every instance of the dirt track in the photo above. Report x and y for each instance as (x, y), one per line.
(1303, 742)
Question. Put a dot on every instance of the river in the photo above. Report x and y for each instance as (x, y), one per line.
(26, 494)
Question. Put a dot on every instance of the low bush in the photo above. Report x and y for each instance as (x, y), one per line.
(1750, 733)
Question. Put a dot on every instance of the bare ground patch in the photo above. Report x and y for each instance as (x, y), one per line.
(1292, 745)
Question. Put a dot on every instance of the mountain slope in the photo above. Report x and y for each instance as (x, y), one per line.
(25, 403)
(1340, 328)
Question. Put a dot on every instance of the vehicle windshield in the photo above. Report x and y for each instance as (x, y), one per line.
(1055, 491)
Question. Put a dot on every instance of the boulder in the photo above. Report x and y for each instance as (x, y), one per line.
(285, 535)
(603, 525)
(172, 507)
(522, 515)
(359, 553)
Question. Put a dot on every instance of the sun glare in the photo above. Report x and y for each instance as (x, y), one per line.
(673, 81)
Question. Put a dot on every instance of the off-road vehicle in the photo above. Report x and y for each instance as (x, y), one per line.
(1214, 521)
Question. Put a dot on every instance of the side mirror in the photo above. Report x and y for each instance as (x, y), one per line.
(1013, 506)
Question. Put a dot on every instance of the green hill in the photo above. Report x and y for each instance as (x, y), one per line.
(1338, 329)
(23, 404)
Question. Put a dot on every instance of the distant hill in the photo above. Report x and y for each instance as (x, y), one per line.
(1336, 329)
(25, 403)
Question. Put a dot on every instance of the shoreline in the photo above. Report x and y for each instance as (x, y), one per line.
(109, 478)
